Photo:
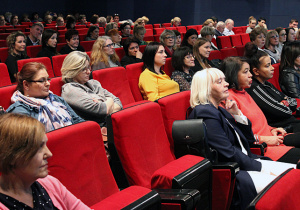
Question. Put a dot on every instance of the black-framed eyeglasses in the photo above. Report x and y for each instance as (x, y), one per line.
(109, 45)
(85, 70)
(41, 80)
(170, 37)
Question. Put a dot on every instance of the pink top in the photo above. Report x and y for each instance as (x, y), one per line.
(61, 197)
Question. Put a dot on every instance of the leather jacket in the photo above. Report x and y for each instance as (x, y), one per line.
(289, 81)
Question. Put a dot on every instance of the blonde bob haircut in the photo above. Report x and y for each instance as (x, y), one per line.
(73, 64)
(98, 54)
(175, 19)
(20, 139)
(202, 84)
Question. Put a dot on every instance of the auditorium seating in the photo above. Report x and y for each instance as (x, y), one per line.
(3, 43)
(56, 85)
(236, 40)
(215, 54)
(275, 79)
(133, 72)
(245, 38)
(228, 52)
(57, 62)
(4, 76)
(87, 45)
(3, 54)
(168, 68)
(158, 31)
(120, 52)
(224, 42)
(80, 163)
(136, 135)
(44, 60)
(32, 51)
(5, 95)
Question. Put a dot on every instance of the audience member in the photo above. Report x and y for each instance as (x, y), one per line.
(208, 33)
(16, 43)
(132, 52)
(102, 22)
(116, 18)
(49, 43)
(277, 107)
(109, 19)
(272, 41)
(34, 99)
(93, 33)
(175, 22)
(2, 20)
(71, 22)
(139, 33)
(262, 23)
(35, 36)
(95, 20)
(82, 20)
(72, 39)
(14, 21)
(229, 133)
(145, 19)
(258, 37)
(290, 34)
(47, 20)
(103, 54)
(153, 82)
(294, 24)
(182, 61)
(201, 51)
(190, 38)
(215, 19)
(25, 18)
(208, 22)
(252, 24)
(282, 38)
(168, 38)
(125, 29)
(229, 24)
(25, 183)
(178, 39)
(87, 97)
(109, 26)
(289, 77)
(220, 29)
(140, 22)
(115, 37)
(36, 18)
(8, 16)
(60, 21)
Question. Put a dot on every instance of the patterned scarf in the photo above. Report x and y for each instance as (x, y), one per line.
(52, 114)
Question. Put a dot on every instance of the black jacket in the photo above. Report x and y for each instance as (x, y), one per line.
(289, 81)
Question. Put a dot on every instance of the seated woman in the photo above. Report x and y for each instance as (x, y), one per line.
(34, 99)
(175, 22)
(16, 43)
(132, 52)
(103, 54)
(71, 22)
(86, 97)
(229, 133)
(258, 37)
(201, 51)
(153, 82)
(72, 39)
(208, 32)
(168, 39)
(208, 22)
(190, 38)
(140, 22)
(178, 39)
(60, 21)
(272, 40)
(49, 43)
(14, 21)
(47, 20)
(289, 77)
(282, 38)
(25, 183)
(182, 61)
(125, 29)
(93, 33)
(237, 73)
(109, 26)
(115, 38)
(139, 33)
(290, 34)
(277, 107)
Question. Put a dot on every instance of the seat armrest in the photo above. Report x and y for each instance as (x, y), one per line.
(259, 149)
(232, 166)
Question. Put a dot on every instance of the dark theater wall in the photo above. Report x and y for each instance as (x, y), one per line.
(277, 12)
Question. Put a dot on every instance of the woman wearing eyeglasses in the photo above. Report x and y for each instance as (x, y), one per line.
(103, 54)
(282, 38)
(132, 51)
(85, 96)
(33, 97)
(272, 40)
(168, 39)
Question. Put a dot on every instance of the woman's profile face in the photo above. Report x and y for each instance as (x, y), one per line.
(108, 47)
(260, 40)
(192, 39)
(244, 77)
(37, 167)
(116, 38)
(140, 35)
(133, 49)
(52, 41)
(39, 86)
(84, 74)
(169, 40)
(95, 34)
(189, 61)
(204, 50)
(266, 70)
(291, 35)
(160, 56)
(219, 91)
(282, 36)
(274, 39)
(297, 62)
(178, 40)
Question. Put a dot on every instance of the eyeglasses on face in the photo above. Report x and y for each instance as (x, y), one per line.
(282, 35)
(170, 37)
(44, 80)
(189, 57)
(109, 45)
(273, 37)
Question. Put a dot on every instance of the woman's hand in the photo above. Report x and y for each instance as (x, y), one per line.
(116, 107)
(139, 55)
(109, 105)
(272, 140)
(278, 131)
(232, 107)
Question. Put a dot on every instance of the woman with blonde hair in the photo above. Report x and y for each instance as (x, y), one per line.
(175, 22)
(208, 22)
(140, 22)
(85, 96)
(103, 54)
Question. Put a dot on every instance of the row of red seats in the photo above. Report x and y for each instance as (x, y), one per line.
(232, 40)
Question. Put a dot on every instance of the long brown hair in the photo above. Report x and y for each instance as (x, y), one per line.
(199, 43)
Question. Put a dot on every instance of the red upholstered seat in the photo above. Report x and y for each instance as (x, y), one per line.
(168, 68)
(62, 32)
(224, 42)
(156, 25)
(60, 45)
(44, 60)
(236, 40)
(115, 81)
(181, 29)
(83, 30)
(282, 193)
(149, 32)
(80, 163)
(5, 95)
(87, 45)
(133, 72)
(237, 30)
(142, 48)
(158, 31)
(4, 35)
(240, 50)
(56, 85)
(57, 62)
(156, 37)
(215, 54)
(275, 79)
(120, 52)
(3, 54)
(3, 43)
(149, 26)
(227, 52)
(245, 38)
(32, 51)
(4, 75)
(138, 135)
(166, 24)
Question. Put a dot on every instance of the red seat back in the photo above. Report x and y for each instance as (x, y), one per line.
(166, 24)
(56, 85)
(240, 50)
(181, 29)
(149, 26)
(32, 51)
(237, 30)
(3, 36)
(5, 95)
(80, 163)
(44, 60)
(275, 79)
(115, 81)
(236, 40)
(158, 31)
(224, 42)
(149, 32)
(87, 45)
(215, 54)
(3, 54)
(168, 68)
(57, 62)
(4, 75)
(120, 52)
(245, 38)
(3, 43)
(133, 72)
(227, 52)
(156, 25)
(141, 141)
